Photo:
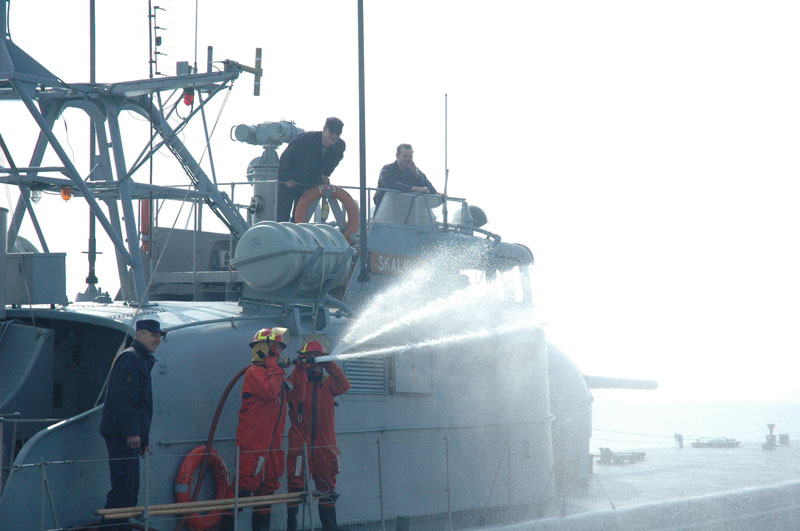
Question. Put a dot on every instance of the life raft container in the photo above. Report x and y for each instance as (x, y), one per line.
(183, 485)
(314, 193)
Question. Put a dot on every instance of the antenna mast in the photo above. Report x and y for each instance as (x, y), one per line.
(91, 292)
(446, 169)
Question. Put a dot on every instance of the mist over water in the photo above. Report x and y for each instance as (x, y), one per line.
(434, 305)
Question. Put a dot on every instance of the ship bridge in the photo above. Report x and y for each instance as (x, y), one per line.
(409, 229)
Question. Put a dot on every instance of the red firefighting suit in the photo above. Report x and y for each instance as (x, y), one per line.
(262, 418)
(312, 422)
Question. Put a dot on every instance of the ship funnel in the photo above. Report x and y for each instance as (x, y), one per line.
(299, 261)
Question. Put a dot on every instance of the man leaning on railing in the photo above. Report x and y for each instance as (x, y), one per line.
(403, 175)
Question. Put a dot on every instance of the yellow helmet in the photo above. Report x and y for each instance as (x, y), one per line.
(268, 336)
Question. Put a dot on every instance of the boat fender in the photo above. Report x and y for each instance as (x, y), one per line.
(328, 191)
(183, 485)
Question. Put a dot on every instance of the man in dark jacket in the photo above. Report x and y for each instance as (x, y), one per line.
(307, 161)
(403, 175)
(127, 413)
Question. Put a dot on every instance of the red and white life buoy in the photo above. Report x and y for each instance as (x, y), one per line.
(301, 213)
(183, 485)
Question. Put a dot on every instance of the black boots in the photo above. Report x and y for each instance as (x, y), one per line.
(260, 522)
(226, 524)
(291, 517)
(327, 515)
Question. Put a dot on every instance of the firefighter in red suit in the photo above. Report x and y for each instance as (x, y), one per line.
(312, 423)
(262, 418)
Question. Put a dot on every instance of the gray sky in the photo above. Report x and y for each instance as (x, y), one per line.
(646, 152)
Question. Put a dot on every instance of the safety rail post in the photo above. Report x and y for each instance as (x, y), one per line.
(508, 467)
(380, 479)
(307, 509)
(2, 420)
(3, 261)
(46, 489)
(447, 468)
(146, 513)
(42, 487)
(236, 491)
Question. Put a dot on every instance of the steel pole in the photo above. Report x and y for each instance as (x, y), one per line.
(363, 275)
(91, 278)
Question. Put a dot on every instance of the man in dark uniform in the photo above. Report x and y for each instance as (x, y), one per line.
(307, 161)
(403, 175)
(127, 413)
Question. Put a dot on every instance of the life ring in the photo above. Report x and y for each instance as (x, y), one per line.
(183, 485)
(328, 191)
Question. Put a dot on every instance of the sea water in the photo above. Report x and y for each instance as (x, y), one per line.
(627, 425)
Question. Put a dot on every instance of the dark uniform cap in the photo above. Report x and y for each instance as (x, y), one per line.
(150, 325)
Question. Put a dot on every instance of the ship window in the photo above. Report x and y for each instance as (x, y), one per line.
(407, 209)
(367, 376)
(512, 286)
(457, 212)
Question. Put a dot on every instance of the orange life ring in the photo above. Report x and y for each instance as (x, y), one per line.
(183, 485)
(328, 191)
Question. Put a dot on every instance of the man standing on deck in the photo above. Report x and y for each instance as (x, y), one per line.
(307, 161)
(403, 175)
(312, 424)
(262, 417)
(127, 414)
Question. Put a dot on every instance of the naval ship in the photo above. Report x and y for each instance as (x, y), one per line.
(446, 425)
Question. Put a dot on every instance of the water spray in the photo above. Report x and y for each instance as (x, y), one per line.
(472, 294)
(525, 324)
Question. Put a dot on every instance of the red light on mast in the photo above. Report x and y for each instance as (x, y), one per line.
(188, 96)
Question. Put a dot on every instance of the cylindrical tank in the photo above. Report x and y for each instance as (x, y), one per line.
(272, 255)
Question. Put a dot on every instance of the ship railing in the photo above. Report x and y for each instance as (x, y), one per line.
(411, 201)
(14, 419)
(365, 480)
